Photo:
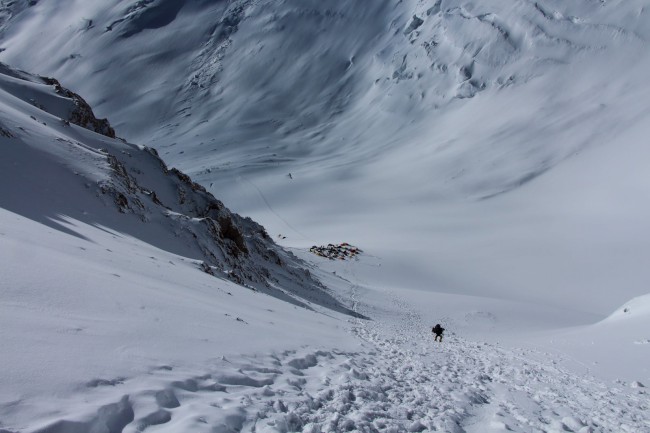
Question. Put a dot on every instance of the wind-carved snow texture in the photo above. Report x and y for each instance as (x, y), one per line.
(161, 206)
(253, 85)
(471, 47)
(399, 381)
(145, 14)
(206, 68)
(10, 8)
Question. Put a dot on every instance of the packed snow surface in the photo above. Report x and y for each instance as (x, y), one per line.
(488, 159)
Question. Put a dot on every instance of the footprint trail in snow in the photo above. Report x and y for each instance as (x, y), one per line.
(399, 381)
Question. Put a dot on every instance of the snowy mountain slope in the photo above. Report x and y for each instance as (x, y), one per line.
(521, 199)
(228, 79)
(165, 350)
(114, 267)
(428, 132)
(610, 347)
(52, 170)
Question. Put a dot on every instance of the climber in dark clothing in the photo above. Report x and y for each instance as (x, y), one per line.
(438, 330)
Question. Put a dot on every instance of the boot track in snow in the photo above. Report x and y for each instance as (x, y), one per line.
(399, 381)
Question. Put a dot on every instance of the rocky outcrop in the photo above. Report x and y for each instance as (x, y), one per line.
(229, 246)
(81, 114)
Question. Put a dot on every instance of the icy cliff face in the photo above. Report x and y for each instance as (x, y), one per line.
(52, 170)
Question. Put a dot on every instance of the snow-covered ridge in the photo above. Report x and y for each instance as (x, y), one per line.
(637, 308)
(63, 103)
(51, 170)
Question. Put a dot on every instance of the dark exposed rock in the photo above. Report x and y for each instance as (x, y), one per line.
(229, 231)
(5, 133)
(82, 115)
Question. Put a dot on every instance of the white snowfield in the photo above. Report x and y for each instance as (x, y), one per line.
(106, 334)
(489, 158)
